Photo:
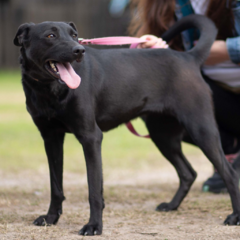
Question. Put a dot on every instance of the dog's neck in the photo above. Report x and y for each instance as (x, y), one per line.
(45, 99)
(44, 95)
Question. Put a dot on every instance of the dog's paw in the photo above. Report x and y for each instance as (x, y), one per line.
(91, 229)
(232, 219)
(165, 207)
(46, 220)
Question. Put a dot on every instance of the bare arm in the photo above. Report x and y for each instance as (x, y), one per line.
(218, 53)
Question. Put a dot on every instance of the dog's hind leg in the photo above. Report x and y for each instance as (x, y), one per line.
(53, 142)
(166, 133)
(203, 130)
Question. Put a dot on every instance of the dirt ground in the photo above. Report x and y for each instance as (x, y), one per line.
(130, 197)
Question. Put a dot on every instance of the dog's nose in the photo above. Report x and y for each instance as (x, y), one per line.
(78, 51)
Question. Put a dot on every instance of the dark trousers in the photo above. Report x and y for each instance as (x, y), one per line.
(227, 108)
(227, 113)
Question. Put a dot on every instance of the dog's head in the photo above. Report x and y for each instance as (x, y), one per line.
(48, 49)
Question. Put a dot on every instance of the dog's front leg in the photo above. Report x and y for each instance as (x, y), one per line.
(53, 142)
(91, 142)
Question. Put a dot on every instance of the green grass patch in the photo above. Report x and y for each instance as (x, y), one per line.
(10, 80)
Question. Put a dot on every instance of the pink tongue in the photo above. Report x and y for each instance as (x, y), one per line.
(68, 75)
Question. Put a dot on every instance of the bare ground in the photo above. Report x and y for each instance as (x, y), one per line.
(130, 197)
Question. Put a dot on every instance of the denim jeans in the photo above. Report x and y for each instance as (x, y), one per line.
(233, 44)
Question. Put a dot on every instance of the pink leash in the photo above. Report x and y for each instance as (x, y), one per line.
(111, 41)
(117, 41)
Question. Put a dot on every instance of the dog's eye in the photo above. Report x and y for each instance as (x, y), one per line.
(74, 35)
(51, 36)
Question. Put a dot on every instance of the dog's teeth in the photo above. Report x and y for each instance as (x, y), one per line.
(53, 66)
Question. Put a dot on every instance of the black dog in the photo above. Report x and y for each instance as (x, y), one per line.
(163, 86)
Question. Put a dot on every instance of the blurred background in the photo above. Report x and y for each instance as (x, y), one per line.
(93, 18)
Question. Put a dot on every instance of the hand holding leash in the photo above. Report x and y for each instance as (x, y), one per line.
(152, 42)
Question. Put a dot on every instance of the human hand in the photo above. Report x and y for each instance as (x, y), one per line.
(152, 42)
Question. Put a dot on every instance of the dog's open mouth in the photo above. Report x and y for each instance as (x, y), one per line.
(64, 72)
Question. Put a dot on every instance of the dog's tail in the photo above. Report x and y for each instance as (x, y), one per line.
(208, 33)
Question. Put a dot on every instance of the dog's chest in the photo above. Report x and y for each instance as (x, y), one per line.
(45, 104)
(45, 108)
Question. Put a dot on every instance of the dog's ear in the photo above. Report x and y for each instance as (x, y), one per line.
(73, 25)
(22, 32)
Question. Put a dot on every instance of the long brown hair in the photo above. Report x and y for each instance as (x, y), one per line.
(156, 16)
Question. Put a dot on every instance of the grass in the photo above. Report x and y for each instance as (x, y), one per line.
(22, 147)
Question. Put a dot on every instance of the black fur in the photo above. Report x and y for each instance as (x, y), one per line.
(163, 86)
